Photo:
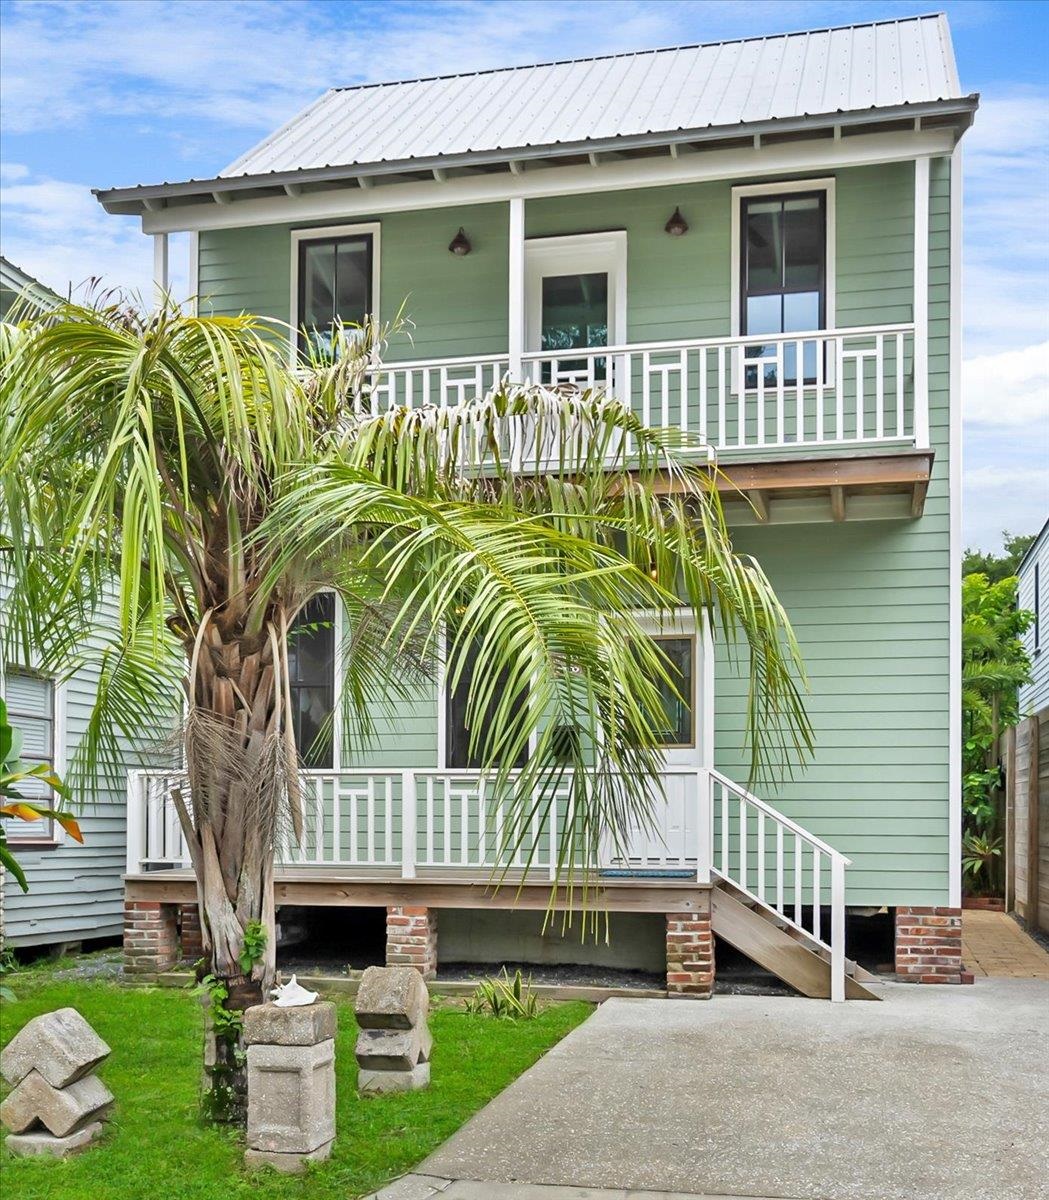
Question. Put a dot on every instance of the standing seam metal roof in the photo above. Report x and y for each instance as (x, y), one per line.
(847, 69)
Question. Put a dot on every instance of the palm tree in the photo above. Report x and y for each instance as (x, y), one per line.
(176, 493)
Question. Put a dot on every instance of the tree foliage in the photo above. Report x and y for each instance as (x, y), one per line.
(994, 666)
(998, 565)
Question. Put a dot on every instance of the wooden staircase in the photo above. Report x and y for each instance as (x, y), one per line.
(778, 946)
(773, 885)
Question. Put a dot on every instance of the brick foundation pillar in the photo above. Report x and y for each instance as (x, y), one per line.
(929, 945)
(190, 936)
(690, 954)
(150, 937)
(411, 938)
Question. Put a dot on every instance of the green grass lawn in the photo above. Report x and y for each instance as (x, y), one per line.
(156, 1146)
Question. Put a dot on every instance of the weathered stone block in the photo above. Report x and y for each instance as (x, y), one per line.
(61, 1045)
(61, 1110)
(393, 1049)
(377, 1083)
(291, 1097)
(286, 1164)
(39, 1142)
(266, 1024)
(391, 998)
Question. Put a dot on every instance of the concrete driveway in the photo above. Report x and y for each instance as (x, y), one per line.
(935, 1094)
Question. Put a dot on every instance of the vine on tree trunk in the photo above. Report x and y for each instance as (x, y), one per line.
(224, 1090)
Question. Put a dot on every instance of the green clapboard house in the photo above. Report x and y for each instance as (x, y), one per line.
(758, 242)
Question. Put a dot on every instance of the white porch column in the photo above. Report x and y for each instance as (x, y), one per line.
(921, 303)
(515, 307)
(160, 266)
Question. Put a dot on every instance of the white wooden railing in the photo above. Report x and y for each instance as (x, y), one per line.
(856, 386)
(784, 869)
(433, 821)
(703, 826)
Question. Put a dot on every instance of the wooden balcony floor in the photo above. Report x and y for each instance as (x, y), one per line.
(378, 887)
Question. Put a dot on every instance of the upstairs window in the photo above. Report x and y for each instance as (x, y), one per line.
(311, 671)
(783, 278)
(335, 277)
(30, 703)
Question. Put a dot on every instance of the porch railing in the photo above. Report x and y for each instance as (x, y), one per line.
(814, 390)
(439, 822)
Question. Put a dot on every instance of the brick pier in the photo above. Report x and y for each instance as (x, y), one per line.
(411, 938)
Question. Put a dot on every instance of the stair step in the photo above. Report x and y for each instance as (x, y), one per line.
(778, 950)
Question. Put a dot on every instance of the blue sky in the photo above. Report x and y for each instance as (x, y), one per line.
(133, 91)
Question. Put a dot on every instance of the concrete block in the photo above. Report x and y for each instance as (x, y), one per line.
(378, 1083)
(291, 1097)
(286, 1164)
(41, 1143)
(266, 1024)
(391, 998)
(393, 1049)
(61, 1045)
(60, 1110)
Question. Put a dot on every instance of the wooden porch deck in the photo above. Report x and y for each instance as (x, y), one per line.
(378, 888)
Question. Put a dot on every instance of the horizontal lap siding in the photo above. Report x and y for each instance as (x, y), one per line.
(869, 601)
(75, 891)
(1034, 697)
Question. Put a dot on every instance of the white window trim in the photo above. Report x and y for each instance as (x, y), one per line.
(58, 836)
(577, 252)
(826, 185)
(318, 233)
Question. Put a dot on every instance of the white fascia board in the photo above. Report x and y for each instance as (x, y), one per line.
(347, 202)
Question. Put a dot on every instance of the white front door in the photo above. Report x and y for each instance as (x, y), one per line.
(673, 842)
(575, 298)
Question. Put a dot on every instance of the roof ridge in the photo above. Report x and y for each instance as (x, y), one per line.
(563, 62)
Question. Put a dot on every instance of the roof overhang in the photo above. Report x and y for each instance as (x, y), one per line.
(950, 116)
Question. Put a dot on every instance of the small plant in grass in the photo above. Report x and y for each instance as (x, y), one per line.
(505, 998)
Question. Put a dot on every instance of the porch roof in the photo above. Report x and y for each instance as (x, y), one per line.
(634, 103)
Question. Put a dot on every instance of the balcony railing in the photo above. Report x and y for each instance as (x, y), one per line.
(819, 390)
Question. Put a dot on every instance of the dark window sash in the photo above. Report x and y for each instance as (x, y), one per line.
(304, 245)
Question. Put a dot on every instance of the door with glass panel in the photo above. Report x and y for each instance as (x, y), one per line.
(671, 842)
(575, 299)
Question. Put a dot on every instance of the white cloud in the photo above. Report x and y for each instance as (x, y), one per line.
(1007, 389)
(58, 232)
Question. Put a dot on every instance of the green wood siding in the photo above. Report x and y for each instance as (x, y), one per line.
(869, 599)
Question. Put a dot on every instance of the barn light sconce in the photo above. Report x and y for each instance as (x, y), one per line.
(677, 226)
(460, 244)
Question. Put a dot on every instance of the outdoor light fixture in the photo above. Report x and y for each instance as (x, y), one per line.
(460, 244)
(677, 225)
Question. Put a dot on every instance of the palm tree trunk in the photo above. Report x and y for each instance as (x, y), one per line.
(234, 755)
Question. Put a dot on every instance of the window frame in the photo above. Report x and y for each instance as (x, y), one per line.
(33, 836)
(782, 190)
(329, 233)
(338, 628)
(444, 700)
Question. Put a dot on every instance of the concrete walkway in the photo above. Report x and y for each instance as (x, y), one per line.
(994, 946)
(935, 1094)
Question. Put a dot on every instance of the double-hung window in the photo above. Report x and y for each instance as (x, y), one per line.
(336, 284)
(311, 681)
(30, 700)
(783, 280)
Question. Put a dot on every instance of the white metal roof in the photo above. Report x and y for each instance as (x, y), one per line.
(855, 68)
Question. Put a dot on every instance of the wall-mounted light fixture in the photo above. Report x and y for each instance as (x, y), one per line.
(460, 244)
(677, 226)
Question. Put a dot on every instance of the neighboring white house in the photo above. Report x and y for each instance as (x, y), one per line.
(1033, 571)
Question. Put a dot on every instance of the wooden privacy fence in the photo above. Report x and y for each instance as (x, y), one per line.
(1025, 754)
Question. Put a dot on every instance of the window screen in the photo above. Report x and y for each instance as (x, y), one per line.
(335, 284)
